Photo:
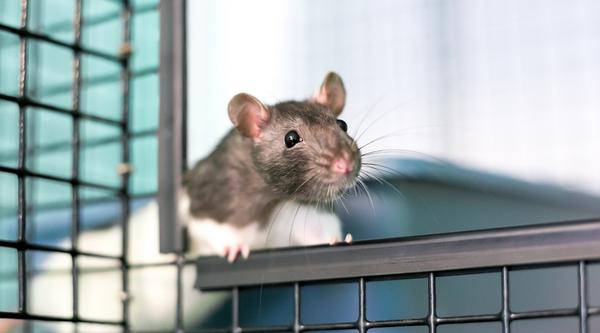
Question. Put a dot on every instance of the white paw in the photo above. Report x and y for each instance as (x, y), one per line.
(334, 239)
(348, 239)
(233, 250)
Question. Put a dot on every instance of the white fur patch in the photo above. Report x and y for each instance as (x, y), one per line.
(291, 224)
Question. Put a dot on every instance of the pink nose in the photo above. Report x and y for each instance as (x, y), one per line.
(342, 166)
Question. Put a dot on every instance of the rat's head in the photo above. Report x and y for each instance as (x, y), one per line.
(301, 148)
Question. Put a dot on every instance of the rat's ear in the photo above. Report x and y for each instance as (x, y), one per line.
(248, 115)
(332, 93)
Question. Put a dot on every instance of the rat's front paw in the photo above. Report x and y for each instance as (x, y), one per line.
(334, 240)
(232, 251)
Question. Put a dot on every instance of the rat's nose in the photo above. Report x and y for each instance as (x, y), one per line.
(342, 166)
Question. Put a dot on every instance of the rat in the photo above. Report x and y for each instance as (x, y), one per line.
(295, 152)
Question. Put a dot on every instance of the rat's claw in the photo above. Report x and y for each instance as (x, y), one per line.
(245, 250)
(348, 238)
(232, 252)
(333, 240)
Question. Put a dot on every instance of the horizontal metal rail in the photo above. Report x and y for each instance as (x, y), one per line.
(24, 101)
(548, 243)
(402, 322)
(23, 246)
(73, 181)
(24, 33)
(29, 316)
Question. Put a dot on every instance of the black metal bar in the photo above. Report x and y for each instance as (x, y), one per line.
(593, 311)
(235, 310)
(60, 272)
(73, 181)
(505, 301)
(550, 243)
(327, 327)
(24, 245)
(431, 292)
(125, 199)
(398, 323)
(26, 101)
(171, 142)
(30, 316)
(297, 323)
(75, 146)
(582, 302)
(362, 306)
(180, 263)
(466, 319)
(22, 206)
(544, 314)
(24, 33)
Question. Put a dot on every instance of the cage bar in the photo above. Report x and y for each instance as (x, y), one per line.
(171, 145)
(22, 207)
(125, 160)
(75, 141)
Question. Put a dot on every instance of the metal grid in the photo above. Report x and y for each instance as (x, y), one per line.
(537, 248)
(432, 320)
(24, 101)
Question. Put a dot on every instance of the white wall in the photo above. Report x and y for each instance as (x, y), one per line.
(507, 86)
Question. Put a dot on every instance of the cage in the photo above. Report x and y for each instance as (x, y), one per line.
(84, 145)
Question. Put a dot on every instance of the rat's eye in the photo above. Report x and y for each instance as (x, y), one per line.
(292, 138)
(342, 124)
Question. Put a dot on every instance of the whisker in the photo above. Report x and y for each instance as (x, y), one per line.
(364, 187)
(366, 114)
(399, 152)
(341, 201)
(398, 133)
(381, 167)
(393, 172)
(303, 183)
(292, 226)
(274, 217)
(383, 181)
(272, 222)
(379, 117)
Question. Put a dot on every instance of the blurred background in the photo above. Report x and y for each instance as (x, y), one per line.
(509, 87)
(486, 111)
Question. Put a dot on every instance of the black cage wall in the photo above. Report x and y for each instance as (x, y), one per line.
(75, 124)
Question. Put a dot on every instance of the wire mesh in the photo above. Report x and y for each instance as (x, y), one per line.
(34, 97)
(505, 318)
